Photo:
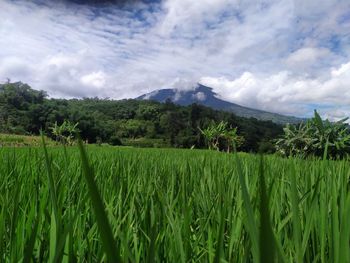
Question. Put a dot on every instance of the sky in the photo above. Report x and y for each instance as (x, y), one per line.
(284, 56)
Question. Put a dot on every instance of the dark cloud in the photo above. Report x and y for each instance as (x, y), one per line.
(106, 2)
(89, 2)
(93, 3)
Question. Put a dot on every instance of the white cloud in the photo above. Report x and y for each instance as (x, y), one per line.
(181, 84)
(336, 114)
(13, 67)
(344, 69)
(286, 93)
(200, 96)
(95, 79)
(186, 15)
(307, 56)
(278, 55)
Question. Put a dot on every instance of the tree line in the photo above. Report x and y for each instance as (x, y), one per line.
(24, 110)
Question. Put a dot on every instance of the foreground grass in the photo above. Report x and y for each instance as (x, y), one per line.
(168, 205)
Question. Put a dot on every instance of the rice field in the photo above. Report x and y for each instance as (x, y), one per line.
(106, 204)
(13, 140)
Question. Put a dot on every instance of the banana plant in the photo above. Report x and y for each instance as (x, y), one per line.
(215, 133)
(316, 137)
(233, 139)
(208, 134)
(65, 132)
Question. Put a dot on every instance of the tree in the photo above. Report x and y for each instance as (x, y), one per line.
(24, 110)
(316, 137)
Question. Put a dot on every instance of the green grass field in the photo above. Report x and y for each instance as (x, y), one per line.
(13, 140)
(167, 205)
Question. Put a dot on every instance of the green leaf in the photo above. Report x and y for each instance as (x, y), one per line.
(105, 229)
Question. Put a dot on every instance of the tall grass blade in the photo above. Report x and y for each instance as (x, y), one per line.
(296, 218)
(105, 229)
(251, 224)
(266, 241)
(29, 247)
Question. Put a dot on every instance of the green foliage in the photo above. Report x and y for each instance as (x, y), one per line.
(316, 137)
(12, 140)
(18, 106)
(267, 147)
(103, 204)
(115, 141)
(65, 133)
(146, 143)
(104, 227)
(27, 111)
(215, 134)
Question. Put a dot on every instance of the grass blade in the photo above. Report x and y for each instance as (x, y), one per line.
(105, 229)
(266, 241)
(29, 248)
(251, 224)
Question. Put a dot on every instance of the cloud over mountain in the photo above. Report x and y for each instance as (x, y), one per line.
(287, 56)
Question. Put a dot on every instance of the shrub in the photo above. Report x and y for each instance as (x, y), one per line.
(267, 147)
(115, 141)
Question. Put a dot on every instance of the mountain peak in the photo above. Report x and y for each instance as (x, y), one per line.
(199, 93)
(206, 96)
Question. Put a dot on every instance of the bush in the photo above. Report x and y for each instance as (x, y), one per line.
(267, 147)
(115, 141)
(146, 143)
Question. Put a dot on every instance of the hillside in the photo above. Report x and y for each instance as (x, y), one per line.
(24, 110)
(205, 96)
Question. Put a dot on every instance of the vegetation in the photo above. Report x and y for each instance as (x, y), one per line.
(12, 140)
(135, 122)
(65, 132)
(167, 205)
(220, 135)
(113, 204)
(316, 137)
(189, 96)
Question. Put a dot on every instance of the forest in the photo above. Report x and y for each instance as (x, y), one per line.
(24, 110)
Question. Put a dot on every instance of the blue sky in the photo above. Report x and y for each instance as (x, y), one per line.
(285, 56)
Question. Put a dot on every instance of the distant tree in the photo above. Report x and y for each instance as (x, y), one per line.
(24, 110)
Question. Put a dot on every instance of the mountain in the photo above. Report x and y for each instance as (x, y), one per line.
(207, 97)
